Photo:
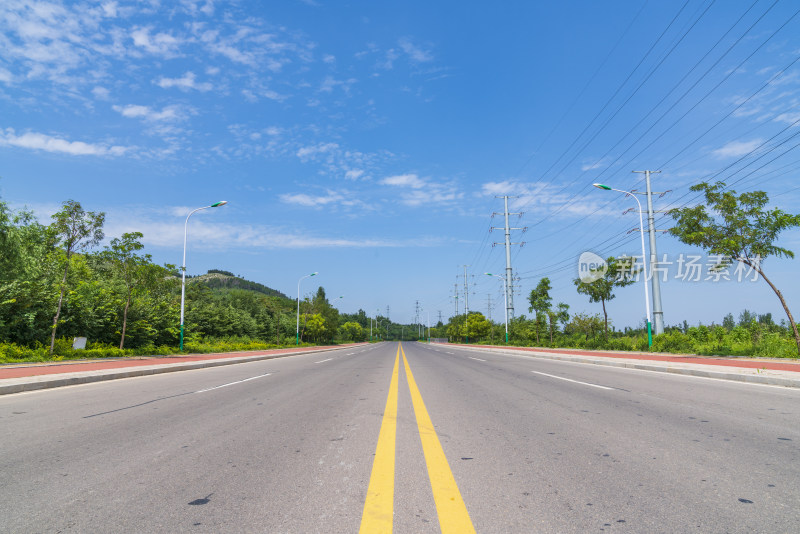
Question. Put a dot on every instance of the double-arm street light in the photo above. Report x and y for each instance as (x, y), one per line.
(297, 332)
(183, 265)
(644, 258)
(505, 298)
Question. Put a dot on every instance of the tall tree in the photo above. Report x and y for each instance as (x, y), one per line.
(74, 229)
(540, 302)
(617, 274)
(129, 266)
(738, 229)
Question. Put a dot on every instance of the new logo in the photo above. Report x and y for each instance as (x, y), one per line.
(591, 267)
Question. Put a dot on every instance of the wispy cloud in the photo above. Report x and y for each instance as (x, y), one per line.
(404, 180)
(159, 43)
(304, 199)
(187, 82)
(47, 143)
(168, 113)
(163, 227)
(420, 191)
(415, 52)
(736, 149)
(544, 198)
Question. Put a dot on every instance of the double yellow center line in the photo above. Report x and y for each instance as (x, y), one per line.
(379, 506)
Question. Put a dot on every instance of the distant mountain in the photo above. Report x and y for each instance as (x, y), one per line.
(217, 279)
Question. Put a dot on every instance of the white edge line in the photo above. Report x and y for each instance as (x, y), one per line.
(232, 383)
(570, 380)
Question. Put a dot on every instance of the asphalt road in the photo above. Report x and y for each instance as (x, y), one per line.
(316, 443)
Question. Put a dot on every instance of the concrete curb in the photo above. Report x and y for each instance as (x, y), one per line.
(771, 378)
(33, 383)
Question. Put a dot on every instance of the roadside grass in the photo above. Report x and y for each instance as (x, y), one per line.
(13, 353)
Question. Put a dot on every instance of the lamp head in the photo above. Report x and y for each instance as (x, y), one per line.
(220, 203)
(602, 186)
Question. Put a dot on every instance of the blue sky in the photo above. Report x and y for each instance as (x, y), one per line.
(368, 140)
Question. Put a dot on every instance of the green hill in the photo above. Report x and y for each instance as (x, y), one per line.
(218, 279)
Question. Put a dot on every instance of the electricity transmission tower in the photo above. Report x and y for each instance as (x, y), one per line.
(509, 278)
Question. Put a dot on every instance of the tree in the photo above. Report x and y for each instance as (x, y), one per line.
(540, 302)
(585, 324)
(315, 326)
(560, 314)
(738, 229)
(618, 274)
(129, 266)
(74, 229)
(352, 331)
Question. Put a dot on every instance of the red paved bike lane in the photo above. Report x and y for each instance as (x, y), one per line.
(53, 368)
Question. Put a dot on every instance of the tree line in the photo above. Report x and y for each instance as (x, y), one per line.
(57, 283)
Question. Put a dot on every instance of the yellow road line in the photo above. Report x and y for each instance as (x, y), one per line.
(450, 507)
(378, 512)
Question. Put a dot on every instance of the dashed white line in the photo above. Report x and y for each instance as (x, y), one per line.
(570, 380)
(232, 383)
(478, 359)
(321, 361)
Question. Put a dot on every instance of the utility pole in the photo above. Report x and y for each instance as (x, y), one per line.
(416, 317)
(455, 295)
(509, 274)
(440, 317)
(658, 314)
(489, 305)
(466, 303)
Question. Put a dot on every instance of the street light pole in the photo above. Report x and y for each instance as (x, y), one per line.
(644, 258)
(183, 265)
(505, 295)
(297, 332)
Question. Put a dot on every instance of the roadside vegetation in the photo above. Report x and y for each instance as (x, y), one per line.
(57, 284)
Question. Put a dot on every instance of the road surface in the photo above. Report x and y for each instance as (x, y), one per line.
(427, 438)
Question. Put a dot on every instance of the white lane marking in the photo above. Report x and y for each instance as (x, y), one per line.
(570, 380)
(349, 353)
(321, 361)
(448, 352)
(232, 383)
(478, 359)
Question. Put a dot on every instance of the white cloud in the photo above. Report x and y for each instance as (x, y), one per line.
(404, 180)
(187, 82)
(303, 199)
(47, 143)
(163, 227)
(788, 118)
(544, 198)
(417, 54)
(101, 93)
(593, 165)
(5, 76)
(168, 113)
(330, 83)
(162, 44)
(419, 191)
(354, 174)
(737, 148)
(312, 151)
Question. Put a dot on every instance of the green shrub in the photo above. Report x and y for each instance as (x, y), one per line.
(674, 341)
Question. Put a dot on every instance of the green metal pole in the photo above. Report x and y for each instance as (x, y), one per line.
(649, 335)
